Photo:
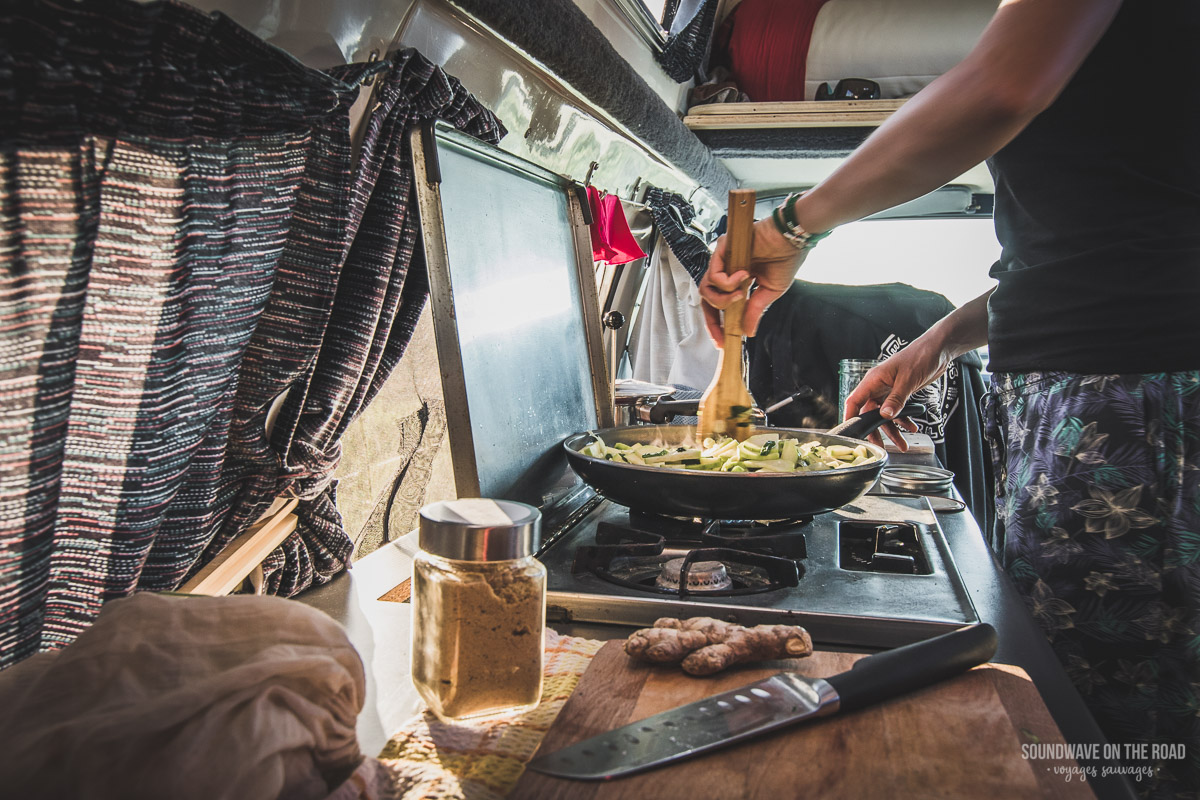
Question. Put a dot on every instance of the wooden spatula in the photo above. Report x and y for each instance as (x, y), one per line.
(726, 406)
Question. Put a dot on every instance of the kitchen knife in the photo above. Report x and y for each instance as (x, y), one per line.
(767, 705)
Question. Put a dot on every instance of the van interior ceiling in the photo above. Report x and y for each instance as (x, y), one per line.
(479, 228)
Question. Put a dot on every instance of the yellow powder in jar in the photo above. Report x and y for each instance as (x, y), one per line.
(478, 635)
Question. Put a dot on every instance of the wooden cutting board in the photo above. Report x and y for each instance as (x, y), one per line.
(961, 738)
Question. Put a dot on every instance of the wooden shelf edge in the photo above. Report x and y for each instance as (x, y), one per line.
(806, 107)
(239, 558)
(822, 114)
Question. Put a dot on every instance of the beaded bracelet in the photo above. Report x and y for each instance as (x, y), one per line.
(785, 221)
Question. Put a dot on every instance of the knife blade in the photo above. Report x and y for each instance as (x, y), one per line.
(776, 702)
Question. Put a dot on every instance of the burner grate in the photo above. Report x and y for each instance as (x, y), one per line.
(689, 527)
(786, 544)
(604, 570)
(635, 559)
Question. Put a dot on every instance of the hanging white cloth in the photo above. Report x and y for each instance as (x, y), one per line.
(669, 343)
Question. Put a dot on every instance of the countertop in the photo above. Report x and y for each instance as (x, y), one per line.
(380, 630)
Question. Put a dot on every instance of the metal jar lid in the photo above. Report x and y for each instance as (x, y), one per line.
(479, 529)
(916, 478)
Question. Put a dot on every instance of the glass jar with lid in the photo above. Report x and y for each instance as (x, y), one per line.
(479, 608)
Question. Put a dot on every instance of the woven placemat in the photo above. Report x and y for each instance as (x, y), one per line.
(434, 760)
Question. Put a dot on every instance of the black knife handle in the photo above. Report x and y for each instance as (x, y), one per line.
(913, 666)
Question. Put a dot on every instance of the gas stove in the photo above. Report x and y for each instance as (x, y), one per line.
(875, 573)
(520, 377)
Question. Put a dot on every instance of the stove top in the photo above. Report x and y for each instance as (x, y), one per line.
(874, 573)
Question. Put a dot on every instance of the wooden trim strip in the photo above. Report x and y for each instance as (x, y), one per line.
(239, 558)
(823, 114)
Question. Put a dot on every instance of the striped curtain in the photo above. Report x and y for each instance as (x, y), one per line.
(340, 341)
(685, 54)
(177, 203)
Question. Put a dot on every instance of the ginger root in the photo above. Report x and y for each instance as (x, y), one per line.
(703, 645)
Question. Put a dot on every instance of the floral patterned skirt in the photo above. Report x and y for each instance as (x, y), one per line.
(1098, 518)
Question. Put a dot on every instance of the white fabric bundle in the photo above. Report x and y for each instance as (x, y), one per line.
(188, 697)
(669, 343)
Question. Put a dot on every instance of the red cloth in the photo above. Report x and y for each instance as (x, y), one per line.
(612, 241)
(768, 47)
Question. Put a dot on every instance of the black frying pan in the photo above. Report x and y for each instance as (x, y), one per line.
(730, 495)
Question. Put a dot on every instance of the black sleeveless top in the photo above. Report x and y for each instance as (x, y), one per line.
(1098, 209)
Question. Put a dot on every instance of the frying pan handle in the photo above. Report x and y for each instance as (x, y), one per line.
(869, 421)
(663, 411)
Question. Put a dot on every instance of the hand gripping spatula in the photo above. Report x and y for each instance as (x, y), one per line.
(726, 406)
(779, 701)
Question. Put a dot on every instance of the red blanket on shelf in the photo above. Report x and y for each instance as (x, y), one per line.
(767, 46)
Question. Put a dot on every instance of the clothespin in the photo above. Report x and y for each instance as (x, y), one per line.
(587, 181)
(371, 59)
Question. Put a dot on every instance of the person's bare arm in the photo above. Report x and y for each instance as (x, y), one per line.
(1022, 61)
(889, 385)
(1025, 57)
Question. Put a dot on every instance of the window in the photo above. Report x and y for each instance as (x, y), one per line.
(656, 8)
(656, 19)
(948, 256)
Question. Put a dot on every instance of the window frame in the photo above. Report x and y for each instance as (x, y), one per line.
(652, 31)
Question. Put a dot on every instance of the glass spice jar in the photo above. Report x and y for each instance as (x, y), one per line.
(479, 608)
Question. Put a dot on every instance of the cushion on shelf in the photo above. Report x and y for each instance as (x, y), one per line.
(900, 44)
